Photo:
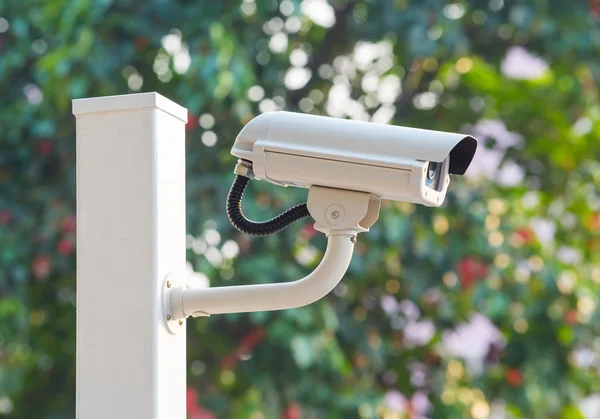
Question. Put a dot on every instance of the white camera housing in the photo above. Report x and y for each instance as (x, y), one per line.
(391, 162)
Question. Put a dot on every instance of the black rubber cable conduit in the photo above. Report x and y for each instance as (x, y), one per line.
(261, 228)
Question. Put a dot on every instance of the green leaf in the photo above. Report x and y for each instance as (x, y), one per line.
(565, 335)
(571, 412)
(329, 316)
(303, 351)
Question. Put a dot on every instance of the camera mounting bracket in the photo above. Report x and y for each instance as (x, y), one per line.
(339, 214)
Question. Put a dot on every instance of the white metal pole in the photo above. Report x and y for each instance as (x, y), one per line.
(130, 237)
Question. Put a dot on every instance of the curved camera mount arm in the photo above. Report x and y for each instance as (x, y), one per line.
(340, 214)
(264, 297)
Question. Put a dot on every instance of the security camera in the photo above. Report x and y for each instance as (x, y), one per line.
(391, 162)
(348, 167)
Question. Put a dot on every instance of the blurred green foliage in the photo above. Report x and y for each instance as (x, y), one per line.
(407, 333)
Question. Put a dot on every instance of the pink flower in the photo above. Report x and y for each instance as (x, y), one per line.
(194, 409)
(568, 255)
(409, 310)
(510, 174)
(487, 162)
(496, 130)
(544, 230)
(292, 411)
(309, 231)
(69, 224)
(472, 341)
(585, 358)
(418, 374)
(389, 304)
(41, 267)
(395, 400)
(65, 247)
(192, 122)
(5, 217)
(418, 333)
(520, 64)
(416, 407)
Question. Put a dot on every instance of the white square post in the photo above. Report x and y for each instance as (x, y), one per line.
(130, 238)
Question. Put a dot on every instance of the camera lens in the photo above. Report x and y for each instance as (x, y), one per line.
(434, 171)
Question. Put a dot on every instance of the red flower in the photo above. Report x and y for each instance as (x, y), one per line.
(65, 247)
(192, 122)
(593, 222)
(595, 8)
(194, 410)
(69, 223)
(309, 231)
(293, 411)
(191, 397)
(570, 317)
(44, 147)
(513, 377)
(5, 217)
(471, 270)
(526, 234)
(246, 345)
(41, 267)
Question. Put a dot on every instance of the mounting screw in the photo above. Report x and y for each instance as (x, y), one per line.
(168, 284)
(353, 239)
(168, 317)
(335, 214)
(180, 322)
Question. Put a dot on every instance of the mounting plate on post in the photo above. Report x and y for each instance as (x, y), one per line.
(174, 326)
